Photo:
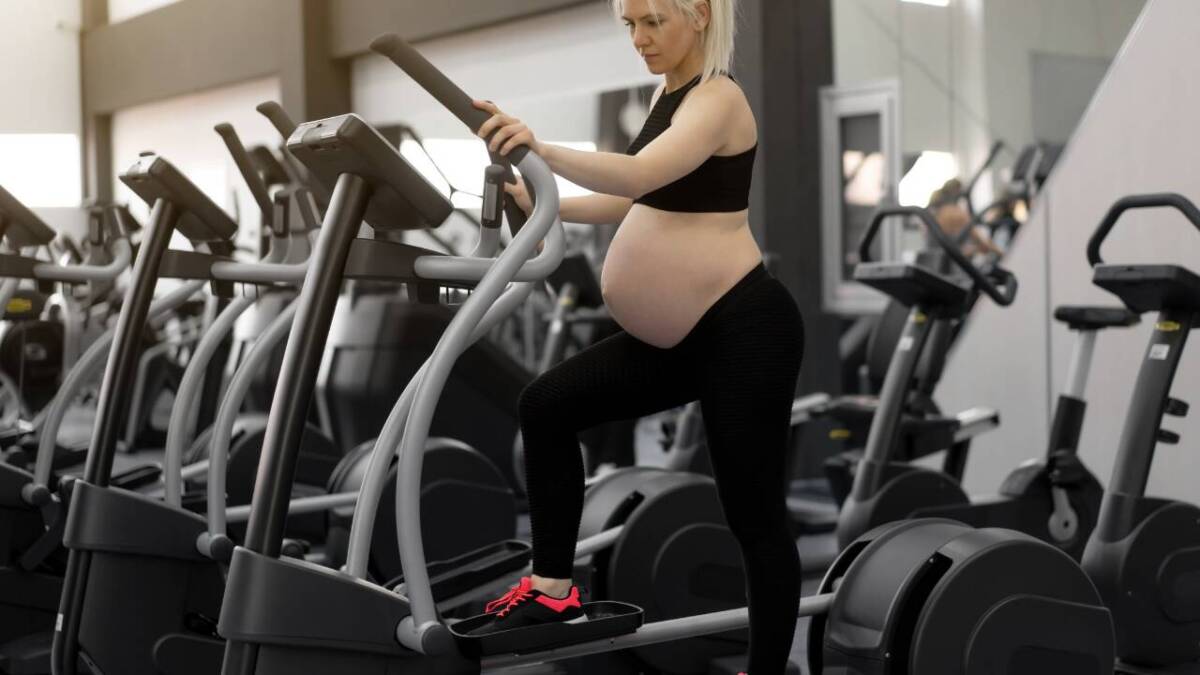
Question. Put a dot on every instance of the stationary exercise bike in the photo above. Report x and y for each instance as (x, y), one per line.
(1144, 554)
(1055, 499)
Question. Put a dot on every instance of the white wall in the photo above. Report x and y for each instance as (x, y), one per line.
(1016, 30)
(181, 130)
(1139, 135)
(39, 50)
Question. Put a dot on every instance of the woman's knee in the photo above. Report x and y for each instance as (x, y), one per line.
(544, 402)
(756, 520)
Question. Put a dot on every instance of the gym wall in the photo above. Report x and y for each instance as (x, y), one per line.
(1133, 138)
(40, 121)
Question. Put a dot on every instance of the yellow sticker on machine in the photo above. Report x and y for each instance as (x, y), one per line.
(1167, 326)
(19, 305)
(839, 434)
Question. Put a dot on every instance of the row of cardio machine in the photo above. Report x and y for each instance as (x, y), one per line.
(158, 519)
(152, 584)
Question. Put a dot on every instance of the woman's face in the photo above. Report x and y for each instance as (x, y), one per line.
(661, 34)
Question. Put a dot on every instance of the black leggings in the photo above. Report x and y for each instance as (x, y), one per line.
(741, 362)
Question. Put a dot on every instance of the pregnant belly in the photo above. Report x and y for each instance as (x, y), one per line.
(664, 270)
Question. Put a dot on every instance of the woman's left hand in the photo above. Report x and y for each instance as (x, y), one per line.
(510, 132)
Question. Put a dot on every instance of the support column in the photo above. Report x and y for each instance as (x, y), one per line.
(785, 56)
(96, 143)
(312, 83)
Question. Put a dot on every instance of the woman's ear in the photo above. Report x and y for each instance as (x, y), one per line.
(703, 15)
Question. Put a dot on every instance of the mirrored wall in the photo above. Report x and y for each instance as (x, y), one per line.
(987, 92)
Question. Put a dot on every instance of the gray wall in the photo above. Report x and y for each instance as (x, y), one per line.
(1139, 135)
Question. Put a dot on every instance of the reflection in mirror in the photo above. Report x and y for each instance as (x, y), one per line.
(990, 92)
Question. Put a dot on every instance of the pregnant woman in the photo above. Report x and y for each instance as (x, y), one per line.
(701, 317)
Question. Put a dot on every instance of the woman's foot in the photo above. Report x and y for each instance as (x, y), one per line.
(525, 605)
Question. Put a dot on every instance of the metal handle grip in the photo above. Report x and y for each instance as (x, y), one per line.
(277, 116)
(1172, 200)
(437, 84)
(241, 158)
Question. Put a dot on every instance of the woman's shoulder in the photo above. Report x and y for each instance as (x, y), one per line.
(722, 85)
(720, 91)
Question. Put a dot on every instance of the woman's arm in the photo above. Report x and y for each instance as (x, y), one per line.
(595, 209)
(699, 129)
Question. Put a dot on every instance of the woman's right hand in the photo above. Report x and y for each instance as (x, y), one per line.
(520, 195)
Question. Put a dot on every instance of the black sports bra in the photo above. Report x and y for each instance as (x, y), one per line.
(721, 184)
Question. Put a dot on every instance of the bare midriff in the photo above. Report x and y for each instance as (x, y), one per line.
(665, 269)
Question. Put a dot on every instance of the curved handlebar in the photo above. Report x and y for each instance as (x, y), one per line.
(986, 285)
(438, 85)
(453, 98)
(122, 257)
(1172, 200)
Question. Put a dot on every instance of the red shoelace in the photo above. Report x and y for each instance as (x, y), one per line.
(508, 600)
(520, 595)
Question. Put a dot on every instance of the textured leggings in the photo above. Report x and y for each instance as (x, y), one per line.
(741, 362)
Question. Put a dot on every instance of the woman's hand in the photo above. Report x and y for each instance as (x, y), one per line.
(509, 131)
(520, 195)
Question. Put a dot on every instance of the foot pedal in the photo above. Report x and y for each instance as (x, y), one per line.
(604, 620)
(137, 477)
(471, 570)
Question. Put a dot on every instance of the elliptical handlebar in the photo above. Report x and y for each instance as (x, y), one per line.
(453, 98)
(258, 188)
(122, 258)
(422, 630)
(1154, 200)
(277, 116)
(982, 282)
(437, 84)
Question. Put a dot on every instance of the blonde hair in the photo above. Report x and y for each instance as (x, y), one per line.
(717, 40)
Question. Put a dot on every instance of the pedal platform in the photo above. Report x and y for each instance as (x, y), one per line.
(604, 620)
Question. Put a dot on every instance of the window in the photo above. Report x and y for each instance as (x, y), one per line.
(120, 10)
(42, 170)
(859, 173)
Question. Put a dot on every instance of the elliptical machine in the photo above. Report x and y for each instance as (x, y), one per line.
(1144, 554)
